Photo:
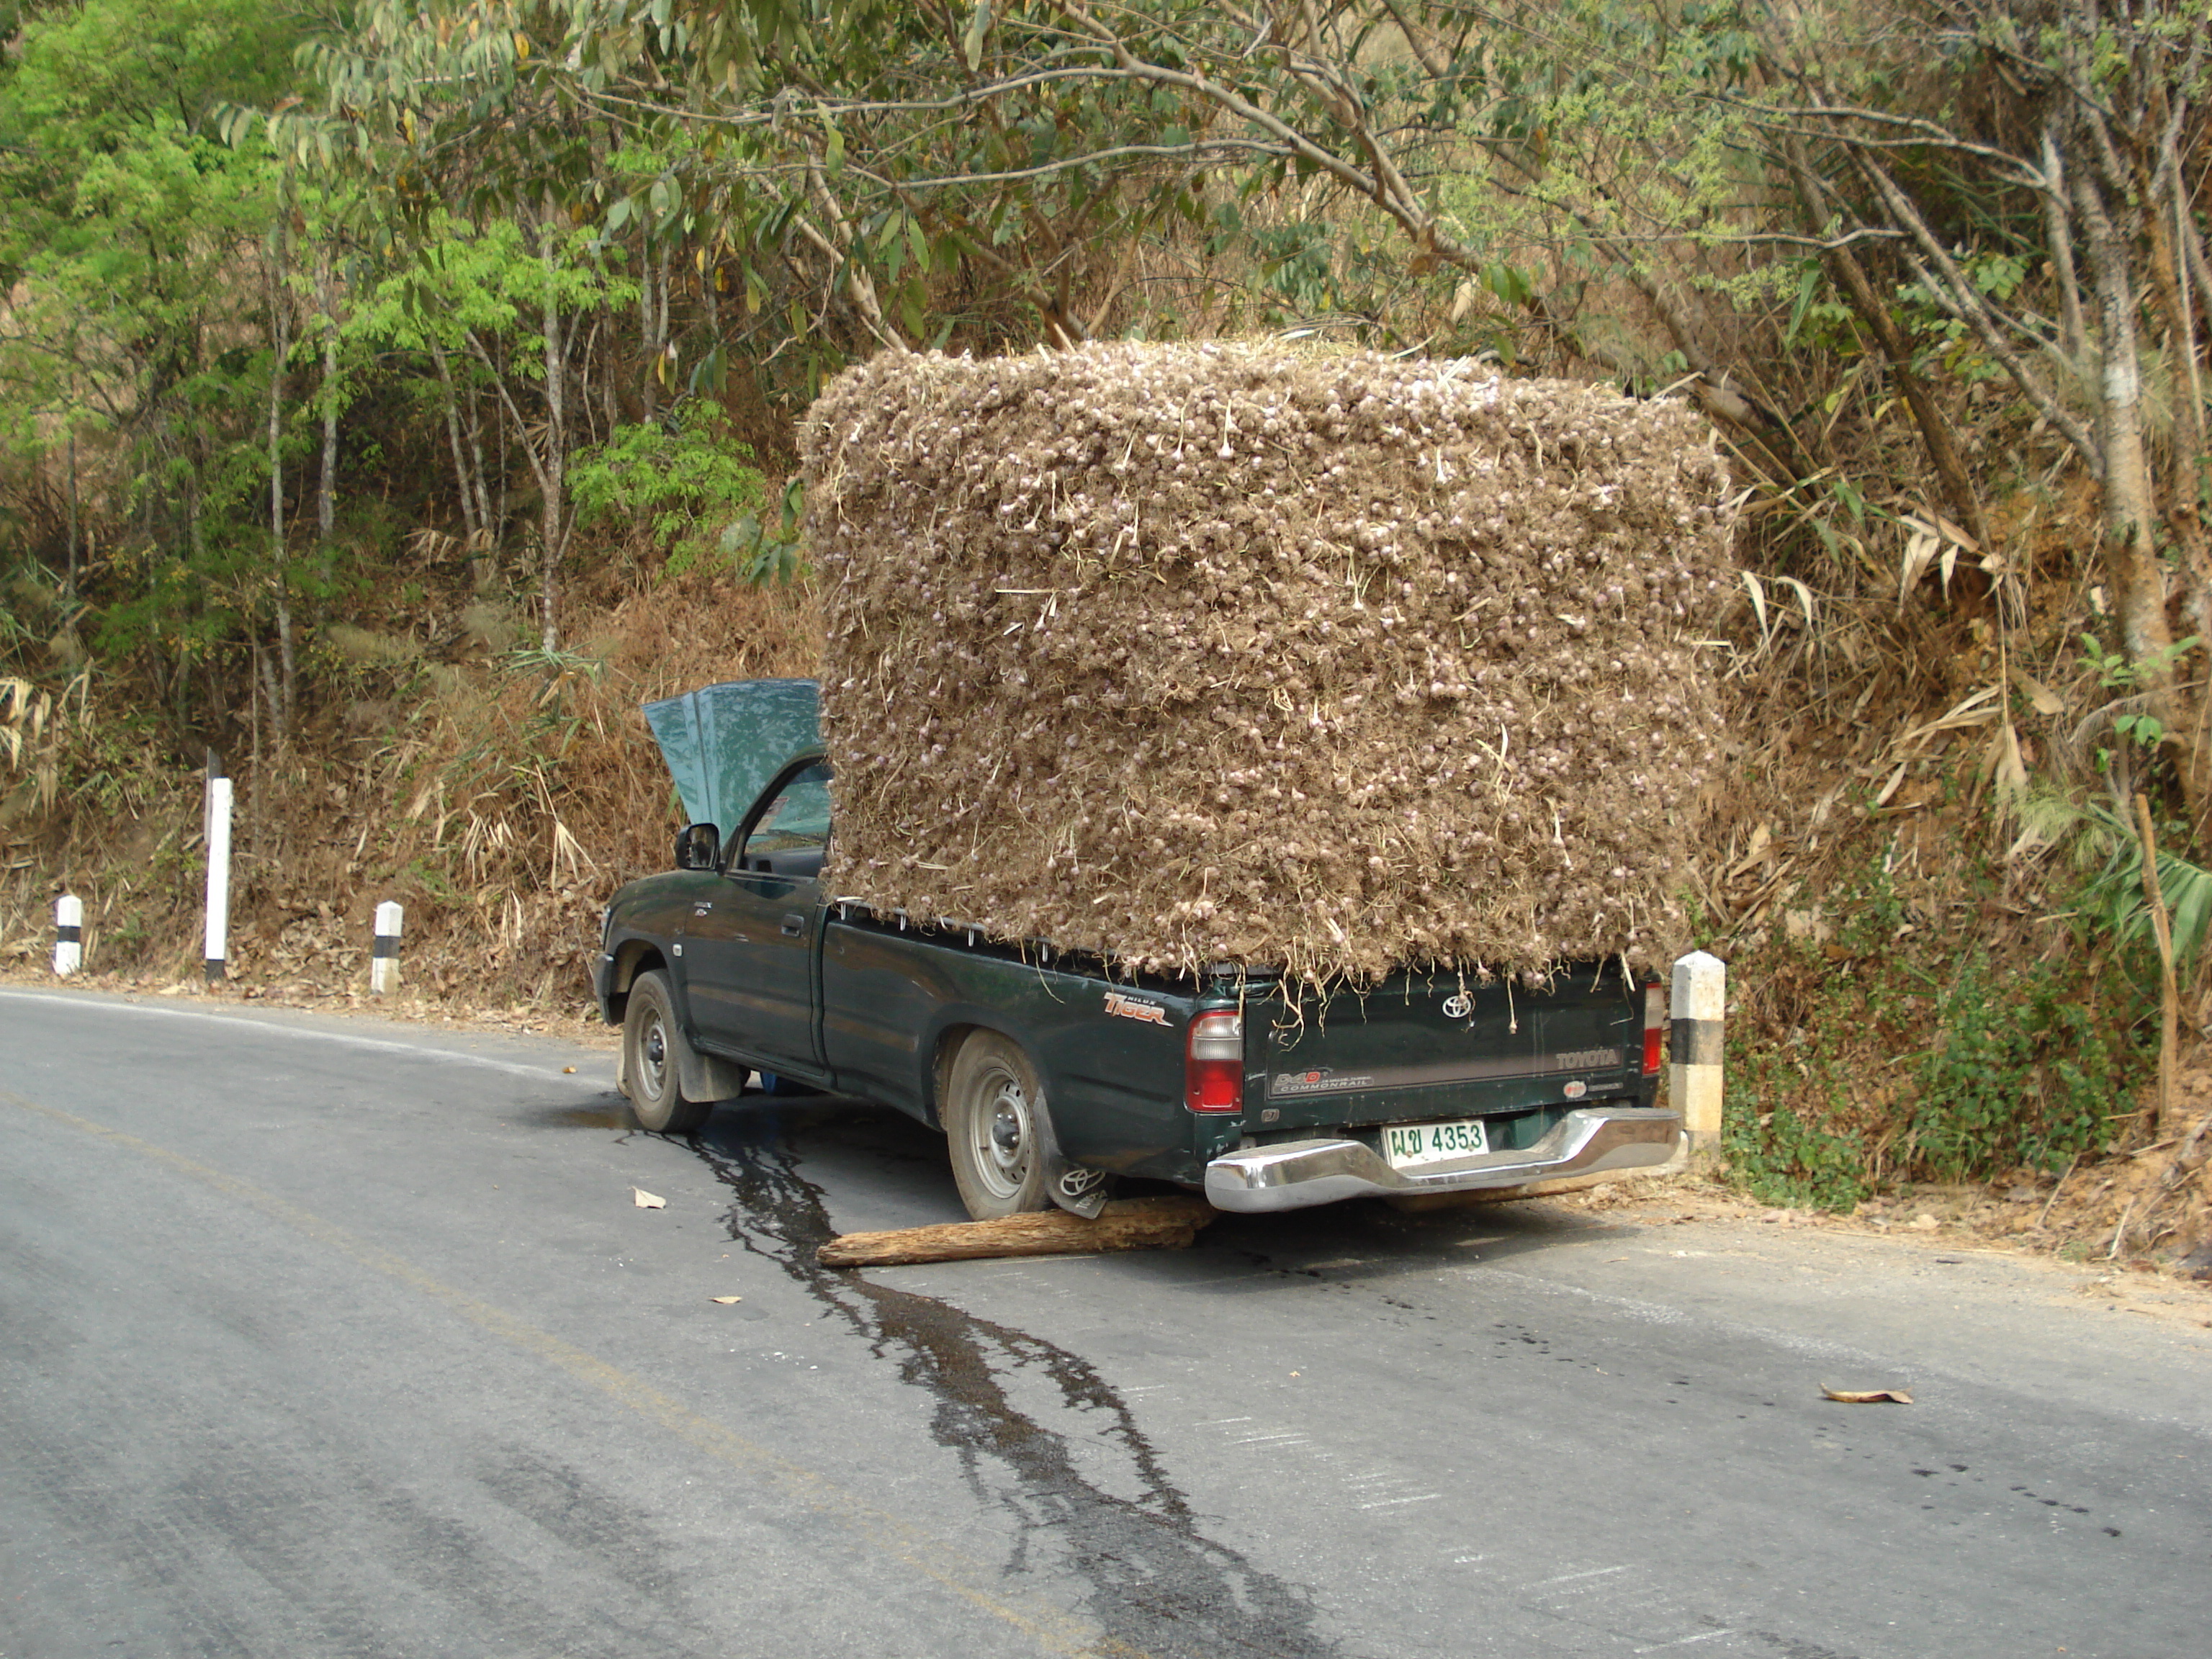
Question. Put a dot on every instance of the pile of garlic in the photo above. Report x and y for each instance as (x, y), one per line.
(1340, 663)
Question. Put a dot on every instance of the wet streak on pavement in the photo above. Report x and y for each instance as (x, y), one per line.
(1158, 1586)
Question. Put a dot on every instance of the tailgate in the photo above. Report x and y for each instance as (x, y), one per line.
(1423, 1047)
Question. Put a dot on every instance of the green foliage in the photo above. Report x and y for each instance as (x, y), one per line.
(2106, 854)
(122, 215)
(684, 479)
(766, 547)
(2124, 677)
(425, 876)
(1620, 142)
(1782, 1160)
(1794, 1118)
(2022, 1072)
(470, 285)
(1945, 1065)
(134, 354)
(2116, 671)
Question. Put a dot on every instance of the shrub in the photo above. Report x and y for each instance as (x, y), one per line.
(683, 480)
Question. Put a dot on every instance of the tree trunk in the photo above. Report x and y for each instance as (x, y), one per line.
(609, 377)
(2072, 332)
(326, 488)
(280, 329)
(1952, 478)
(649, 335)
(69, 576)
(491, 520)
(2129, 506)
(2165, 210)
(553, 474)
(464, 486)
(2169, 993)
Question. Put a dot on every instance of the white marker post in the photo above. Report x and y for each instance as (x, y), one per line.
(218, 872)
(1699, 1005)
(69, 935)
(384, 950)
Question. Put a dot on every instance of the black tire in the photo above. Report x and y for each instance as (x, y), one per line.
(650, 1075)
(993, 1106)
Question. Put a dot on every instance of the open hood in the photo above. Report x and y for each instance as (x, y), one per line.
(724, 743)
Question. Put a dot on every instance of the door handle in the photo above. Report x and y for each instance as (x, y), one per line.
(794, 925)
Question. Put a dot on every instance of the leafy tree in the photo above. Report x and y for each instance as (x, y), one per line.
(124, 353)
(2075, 138)
(498, 309)
(902, 175)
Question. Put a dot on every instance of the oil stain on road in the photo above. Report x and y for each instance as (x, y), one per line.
(1158, 1586)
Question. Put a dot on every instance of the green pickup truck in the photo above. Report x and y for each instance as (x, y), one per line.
(1051, 1073)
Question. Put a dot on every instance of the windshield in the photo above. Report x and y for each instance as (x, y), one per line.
(798, 819)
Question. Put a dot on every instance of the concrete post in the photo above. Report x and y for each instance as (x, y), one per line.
(218, 878)
(69, 935)
(384, 950)
(1698, 1007)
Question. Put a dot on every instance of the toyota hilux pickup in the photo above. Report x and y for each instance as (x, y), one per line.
(1051, 1073)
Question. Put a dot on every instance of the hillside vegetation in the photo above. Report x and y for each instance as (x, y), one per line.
(393, 396)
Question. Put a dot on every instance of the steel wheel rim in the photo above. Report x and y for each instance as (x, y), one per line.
(1002, 1133)
(652, 1058)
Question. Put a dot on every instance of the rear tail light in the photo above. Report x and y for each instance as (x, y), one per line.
(1654, 1023)
(1213, 1076)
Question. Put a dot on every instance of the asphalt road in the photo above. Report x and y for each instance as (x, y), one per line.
(329, 1337)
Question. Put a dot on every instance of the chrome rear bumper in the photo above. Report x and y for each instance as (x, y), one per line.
(1294, 1173)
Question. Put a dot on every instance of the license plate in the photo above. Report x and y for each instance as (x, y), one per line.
(1408, 1146)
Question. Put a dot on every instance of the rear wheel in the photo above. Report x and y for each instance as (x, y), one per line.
(654, 1081)
(994, 1109)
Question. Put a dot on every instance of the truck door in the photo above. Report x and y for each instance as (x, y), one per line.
(751, 951)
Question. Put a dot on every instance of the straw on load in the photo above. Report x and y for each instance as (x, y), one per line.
(1195, 654)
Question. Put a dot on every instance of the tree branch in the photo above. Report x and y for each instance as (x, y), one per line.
(1958, 296)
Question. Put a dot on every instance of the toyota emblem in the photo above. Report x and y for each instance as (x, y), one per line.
(1458, 1007)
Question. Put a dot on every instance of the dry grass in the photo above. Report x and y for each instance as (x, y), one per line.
(500, 799)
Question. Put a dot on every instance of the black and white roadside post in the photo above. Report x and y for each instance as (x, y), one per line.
(69, 935)
(218, 877)
(1697, 1007)
(384, 950)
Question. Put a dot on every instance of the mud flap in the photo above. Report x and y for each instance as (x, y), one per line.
(1074, 1189)
(708, 1076)
(1078, 1190)
(698, 1077)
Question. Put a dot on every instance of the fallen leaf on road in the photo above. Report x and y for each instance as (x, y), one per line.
(646, 1200)
(1868, 1396)
(725, 1300)
(567, 1070)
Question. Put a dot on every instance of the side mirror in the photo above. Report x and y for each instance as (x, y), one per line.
(698, 846)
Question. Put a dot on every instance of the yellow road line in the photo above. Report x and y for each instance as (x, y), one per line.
(1052, 1629)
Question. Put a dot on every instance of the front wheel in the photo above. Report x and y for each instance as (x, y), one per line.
(650, 1076)
(994, 1111)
